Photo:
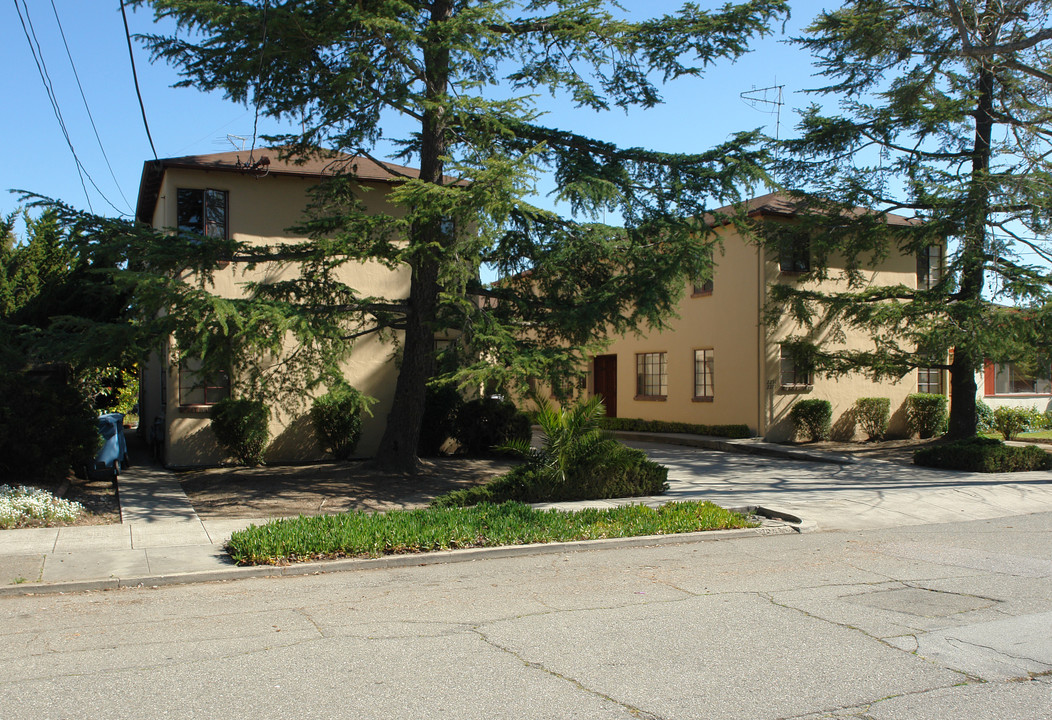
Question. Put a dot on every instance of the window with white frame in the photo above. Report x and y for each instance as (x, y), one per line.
(791, 372)
(704, 375)
(651, 375)
(929, 267)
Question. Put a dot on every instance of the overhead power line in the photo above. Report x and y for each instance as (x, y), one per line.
(135, 77)
(87, 109)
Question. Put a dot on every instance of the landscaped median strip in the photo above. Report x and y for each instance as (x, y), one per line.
(363, 534)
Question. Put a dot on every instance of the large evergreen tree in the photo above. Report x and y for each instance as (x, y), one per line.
(944, 117)
(465, 75)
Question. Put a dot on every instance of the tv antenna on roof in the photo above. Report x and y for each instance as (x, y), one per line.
(767, 100)
(231, 138)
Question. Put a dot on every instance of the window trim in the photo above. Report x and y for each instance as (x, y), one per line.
(711, 374)
(921, 384)
(926, 268)
(662, 376)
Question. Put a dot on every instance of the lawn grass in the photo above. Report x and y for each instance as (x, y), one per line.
(363, 534)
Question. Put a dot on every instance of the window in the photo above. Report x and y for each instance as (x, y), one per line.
(795, 253)
(202, 212)
(929, 380)
(791, 372)
(651, 376)
(197, 389)
(929, 267)
(1009, 379)
(703, 284)
(703, 374)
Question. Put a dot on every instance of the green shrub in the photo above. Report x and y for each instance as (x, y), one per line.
(812, 418)
(664, 426)
(486, 423)
(926, 414)
(984, 416)
(242, 428)
(873, 414)
(983, 455)
(337, 419)
(1011, 421)
(441, 406)
(46, 427)
(578, 460)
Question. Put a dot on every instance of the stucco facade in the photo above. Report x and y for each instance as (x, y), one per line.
(723, 364)
(260, 205)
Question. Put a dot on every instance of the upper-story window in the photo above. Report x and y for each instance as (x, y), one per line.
(703, 284)
(794, 253)
(704, 374)
(929, 267)
(202, 211)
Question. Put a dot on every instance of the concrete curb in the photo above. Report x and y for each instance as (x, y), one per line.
(776, 523)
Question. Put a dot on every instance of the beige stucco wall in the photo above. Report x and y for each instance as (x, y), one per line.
(259, 211)
(728, 322)
(842, 391)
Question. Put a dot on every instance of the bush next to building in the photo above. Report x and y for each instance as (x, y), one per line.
(337, 419)
(663, 426)
(812, 419)
(873, 414)
(441, 406)
(926, 414)
(486, 423)
(981, 454)
(242, 428)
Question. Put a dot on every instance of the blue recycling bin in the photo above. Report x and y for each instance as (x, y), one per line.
(113, 455)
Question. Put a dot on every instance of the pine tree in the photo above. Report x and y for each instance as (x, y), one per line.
(943, 118)
(465, 74)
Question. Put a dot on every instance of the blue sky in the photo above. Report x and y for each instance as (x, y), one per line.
(698, 112)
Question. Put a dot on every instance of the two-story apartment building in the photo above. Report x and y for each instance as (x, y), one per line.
(720, 363)
(218, 195)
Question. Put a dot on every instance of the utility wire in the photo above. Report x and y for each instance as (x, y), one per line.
(45, 77)
(135, 77)
(87, 109)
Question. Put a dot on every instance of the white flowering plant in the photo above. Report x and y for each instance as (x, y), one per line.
(27, 505)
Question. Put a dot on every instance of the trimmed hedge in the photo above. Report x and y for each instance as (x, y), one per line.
(926, 414)
(619, 472)
(663, 426)
(812, 418)
(873, 415)
(981, 454)
(242, 428)
(337, 419)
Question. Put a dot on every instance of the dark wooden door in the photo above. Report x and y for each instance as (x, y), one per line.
(605, 373)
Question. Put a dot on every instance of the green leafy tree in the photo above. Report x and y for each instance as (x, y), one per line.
(466, 76)
(943, 118)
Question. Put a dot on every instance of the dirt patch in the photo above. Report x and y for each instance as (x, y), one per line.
(325, 488)
(896, 451)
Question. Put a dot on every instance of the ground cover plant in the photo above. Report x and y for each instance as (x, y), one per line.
(361, 534)
(666, 426)
(982, 454)
(24, 506)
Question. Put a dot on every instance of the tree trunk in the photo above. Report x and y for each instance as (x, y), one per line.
(398, 447)
(968, 356)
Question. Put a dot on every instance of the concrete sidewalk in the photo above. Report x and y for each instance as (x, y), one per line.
(161, 540)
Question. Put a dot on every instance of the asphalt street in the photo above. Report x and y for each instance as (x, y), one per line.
(948, 620)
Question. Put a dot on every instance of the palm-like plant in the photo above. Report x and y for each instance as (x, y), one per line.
(568, 435)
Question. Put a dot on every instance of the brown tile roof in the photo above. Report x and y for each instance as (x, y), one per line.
(783, 204)
(318, 167)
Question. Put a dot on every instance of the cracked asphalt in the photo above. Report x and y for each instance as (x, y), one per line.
(926, 621)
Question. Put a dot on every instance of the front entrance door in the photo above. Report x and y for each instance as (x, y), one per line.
(605, 377)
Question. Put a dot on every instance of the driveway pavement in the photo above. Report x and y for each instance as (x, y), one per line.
(161, 540)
